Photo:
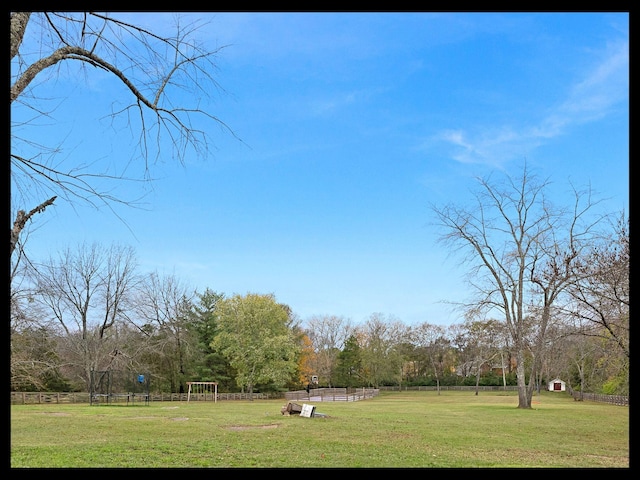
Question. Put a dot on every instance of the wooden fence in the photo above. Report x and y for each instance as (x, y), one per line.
(596, 397)
(332, 394)
(315, 395)
(423, 388)
(28, 398)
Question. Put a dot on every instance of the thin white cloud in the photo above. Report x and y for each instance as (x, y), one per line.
(598, 94)
(492, 146)
(339, 101)
(324, 107)
(594, 97)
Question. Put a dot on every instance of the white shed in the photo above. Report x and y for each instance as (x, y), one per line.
(557, 385)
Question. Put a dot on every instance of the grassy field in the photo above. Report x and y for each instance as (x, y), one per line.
(396, 429)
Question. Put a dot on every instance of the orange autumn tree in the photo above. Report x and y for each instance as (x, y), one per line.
(306, 360)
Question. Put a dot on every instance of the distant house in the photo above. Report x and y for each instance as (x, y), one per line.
(557, 385)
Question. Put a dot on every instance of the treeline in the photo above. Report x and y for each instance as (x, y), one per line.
(92, 309)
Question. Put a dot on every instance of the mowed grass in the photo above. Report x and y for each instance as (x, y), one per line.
(396, 429)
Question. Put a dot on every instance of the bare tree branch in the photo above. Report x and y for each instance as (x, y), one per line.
(153, 69)
(21, 220)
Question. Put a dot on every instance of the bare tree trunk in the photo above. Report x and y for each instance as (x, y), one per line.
(21, 221)
(524, 401)
(19, 21)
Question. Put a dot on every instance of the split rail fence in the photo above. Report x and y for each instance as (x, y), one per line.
(315, 395)
(28, 398)
(332, 394)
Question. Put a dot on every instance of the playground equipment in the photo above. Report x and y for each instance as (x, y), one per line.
(202, 391)
(119, 386)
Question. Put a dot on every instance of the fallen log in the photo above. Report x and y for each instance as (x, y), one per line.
(291, 408)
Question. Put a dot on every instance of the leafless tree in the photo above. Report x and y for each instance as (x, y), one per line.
(579, 355)
(152, 71)
(33, 354)
(84, 292)
(601, 289)
(163, 303)
(34, 357)
(328, 334)
(520, 252)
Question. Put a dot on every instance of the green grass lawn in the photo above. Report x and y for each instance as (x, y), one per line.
(396, 429)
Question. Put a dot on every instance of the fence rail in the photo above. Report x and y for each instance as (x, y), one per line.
(596, 397)
(315, 395)
(433, 388)
(333, 394)
(29, 398)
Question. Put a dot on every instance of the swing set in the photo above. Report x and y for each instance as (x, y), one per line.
(202, 391)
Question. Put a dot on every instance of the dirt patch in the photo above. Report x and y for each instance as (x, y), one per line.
(246, 427)
(57, 414)
(179, 419)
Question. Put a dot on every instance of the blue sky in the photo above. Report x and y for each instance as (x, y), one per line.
(352, 124)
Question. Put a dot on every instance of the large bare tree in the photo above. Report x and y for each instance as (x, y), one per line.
(520, 252)
(164, 83)
(84, 291)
